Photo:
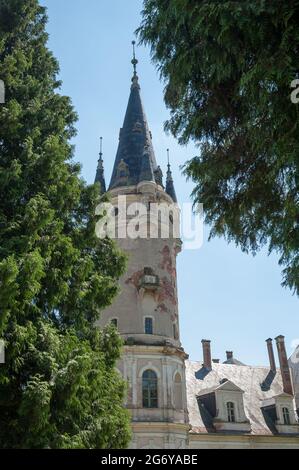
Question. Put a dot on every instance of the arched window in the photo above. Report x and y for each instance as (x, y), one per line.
(178, 392)
(149, 389)
(286, 415)
(231, 417)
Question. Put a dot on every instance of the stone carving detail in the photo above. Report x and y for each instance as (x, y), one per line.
(137, 127)
(122, 170)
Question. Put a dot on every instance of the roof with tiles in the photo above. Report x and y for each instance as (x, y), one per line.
(135, 147)
(258, 384)
(135, 160)
(294, 365)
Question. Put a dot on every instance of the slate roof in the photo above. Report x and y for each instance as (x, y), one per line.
(100, 178)
(169, 185)
(234, 361)
(294, 365)
(258, 384)
(135, 144)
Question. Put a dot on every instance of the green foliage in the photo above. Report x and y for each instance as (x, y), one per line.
(228, 67)
(58, 387)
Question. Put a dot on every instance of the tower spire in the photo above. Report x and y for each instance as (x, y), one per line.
(100, 178)
(135, 159)
(169, 181)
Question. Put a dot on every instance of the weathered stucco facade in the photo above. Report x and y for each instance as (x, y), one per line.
(176, 403)
(149, 291)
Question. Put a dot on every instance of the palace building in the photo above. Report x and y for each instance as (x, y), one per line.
(176, 403)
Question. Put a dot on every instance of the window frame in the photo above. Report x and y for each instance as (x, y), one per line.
(286, 416)
(150, 389)
(231, 411)
(152, 325)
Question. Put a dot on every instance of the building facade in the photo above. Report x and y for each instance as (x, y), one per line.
(175, 403)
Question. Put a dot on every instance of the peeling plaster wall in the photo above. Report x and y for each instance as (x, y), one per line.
(134, 303)
(165, 426)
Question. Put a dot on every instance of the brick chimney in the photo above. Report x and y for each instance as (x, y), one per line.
(271, 354)
(229, 355)
(284, 365)
(206, 349)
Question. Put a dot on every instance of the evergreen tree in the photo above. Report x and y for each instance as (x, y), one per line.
(228, 67)
(58, 387)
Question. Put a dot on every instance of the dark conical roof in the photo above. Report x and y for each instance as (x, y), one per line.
(169, 184)
(135, 159)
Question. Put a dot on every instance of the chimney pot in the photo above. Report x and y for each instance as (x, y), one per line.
(206, 349)
(229, 355)
(284, 365)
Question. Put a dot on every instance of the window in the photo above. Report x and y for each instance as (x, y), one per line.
(286, 415)
(149, 389)
(114, 322)
(231, 418)
(148, 325)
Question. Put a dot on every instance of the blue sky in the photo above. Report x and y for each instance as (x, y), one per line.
(234, 299)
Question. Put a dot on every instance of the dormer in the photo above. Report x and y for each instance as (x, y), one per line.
(122, 172)
(286, 420)
(225, 404)
(230, 413)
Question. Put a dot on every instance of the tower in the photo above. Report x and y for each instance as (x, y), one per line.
(146, 310)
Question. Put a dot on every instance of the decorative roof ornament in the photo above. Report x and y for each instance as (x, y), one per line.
(122, 169)
(169, 181)
(158, 176)
(100, 178)
(134, 62)
(101, 153)
(146, 171)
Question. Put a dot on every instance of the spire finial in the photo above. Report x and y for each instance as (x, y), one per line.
(134, 60)
(101, 147)
(100, 169)
(169, 181)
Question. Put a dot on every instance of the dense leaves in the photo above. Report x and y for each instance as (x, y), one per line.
(228, 67)
(58, 386)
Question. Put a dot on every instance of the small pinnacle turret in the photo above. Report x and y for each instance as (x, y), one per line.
(159, 176)
(169, 181)
(100, 178)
